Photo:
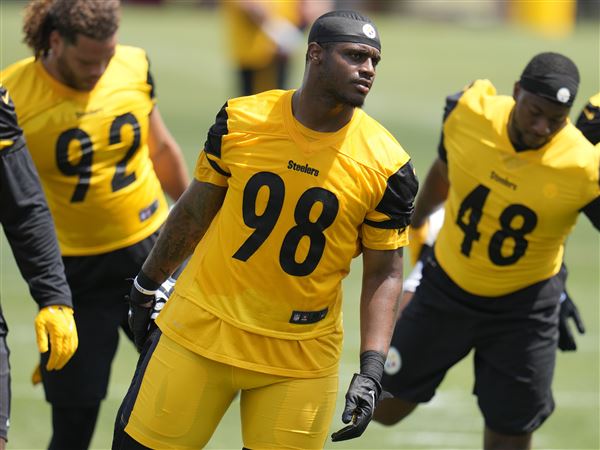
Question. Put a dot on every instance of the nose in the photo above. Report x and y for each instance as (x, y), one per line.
(368, 68)
(97, 70)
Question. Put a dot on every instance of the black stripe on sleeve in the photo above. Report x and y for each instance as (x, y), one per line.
(589, 123)
(451, 102)
(592, 211)
(212, 146)
(150, 81)
(218, 168)
(398, 199)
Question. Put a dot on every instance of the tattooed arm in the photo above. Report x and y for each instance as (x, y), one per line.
(185, 226)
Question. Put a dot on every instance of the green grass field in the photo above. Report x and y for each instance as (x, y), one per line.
(422, 63)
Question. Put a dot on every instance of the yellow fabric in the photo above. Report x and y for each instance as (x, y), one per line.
(249, 46)
(122, 202)
(183, 397)
(550, 185)
(595, 100)
(253, 300)
(57, 323)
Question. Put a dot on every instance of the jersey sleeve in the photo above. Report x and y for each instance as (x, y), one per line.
(210, 167)
(589, 122)
(451, 102)
(25, 216)
(385, 228)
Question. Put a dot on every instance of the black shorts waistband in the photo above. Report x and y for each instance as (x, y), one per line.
(540, 295)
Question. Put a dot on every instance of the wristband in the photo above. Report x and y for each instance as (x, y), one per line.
(144, 284)
(371, 364)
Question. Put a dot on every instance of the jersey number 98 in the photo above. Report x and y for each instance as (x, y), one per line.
(264, 223)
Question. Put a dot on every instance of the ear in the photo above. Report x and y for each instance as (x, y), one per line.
(516, 90)
(56, 42)
(315, 53)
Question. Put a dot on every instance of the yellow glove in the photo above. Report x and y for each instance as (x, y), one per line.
(416, 239)
(58, 323)
(36, 376)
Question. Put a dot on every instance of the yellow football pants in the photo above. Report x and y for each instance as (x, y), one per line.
(183, 396)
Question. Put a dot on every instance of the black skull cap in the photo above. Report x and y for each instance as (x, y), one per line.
(344, 26)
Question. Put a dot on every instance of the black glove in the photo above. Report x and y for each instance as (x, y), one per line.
(566, 340)
(362, 396)
(141, 300)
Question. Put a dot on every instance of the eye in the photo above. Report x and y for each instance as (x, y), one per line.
(535, 112)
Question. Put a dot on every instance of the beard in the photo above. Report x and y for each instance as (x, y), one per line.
(69, 77)
(342, 98)
(336, 95)
(522, 141)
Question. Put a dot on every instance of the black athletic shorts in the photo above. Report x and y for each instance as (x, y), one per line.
(514, 338)
(99, 284)
(4, 379)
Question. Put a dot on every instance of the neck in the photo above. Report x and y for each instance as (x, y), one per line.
(320, 113)
(51, 66)
(513, 135)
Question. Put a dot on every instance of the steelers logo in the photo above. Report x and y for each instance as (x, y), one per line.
(369, 30)
(563, 95)
(393, 362)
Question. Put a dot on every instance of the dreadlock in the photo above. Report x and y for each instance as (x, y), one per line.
(96, 19)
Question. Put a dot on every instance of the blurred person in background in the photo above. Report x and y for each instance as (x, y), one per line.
(263, 36)
(291, 186)
(28, 226)
(589, 120)
(88, 111)
(549, 18)
(515, 174)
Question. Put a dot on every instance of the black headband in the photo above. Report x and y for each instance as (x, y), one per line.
(558, 88)
(344, 26)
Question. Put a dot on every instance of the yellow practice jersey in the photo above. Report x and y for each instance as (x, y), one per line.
(266, 278)
(250, 47)
(589, 120)
(508, 213)
(90, 149)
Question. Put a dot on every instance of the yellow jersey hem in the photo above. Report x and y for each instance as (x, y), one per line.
(286, 336)
(279, 371)
(131, 240)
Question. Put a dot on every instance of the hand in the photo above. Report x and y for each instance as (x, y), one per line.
(284, 34)
(417, 237)
(57, 322)
(147, 303)
(36, 375)
(361, 398)
(566, 340)
(141, 301)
